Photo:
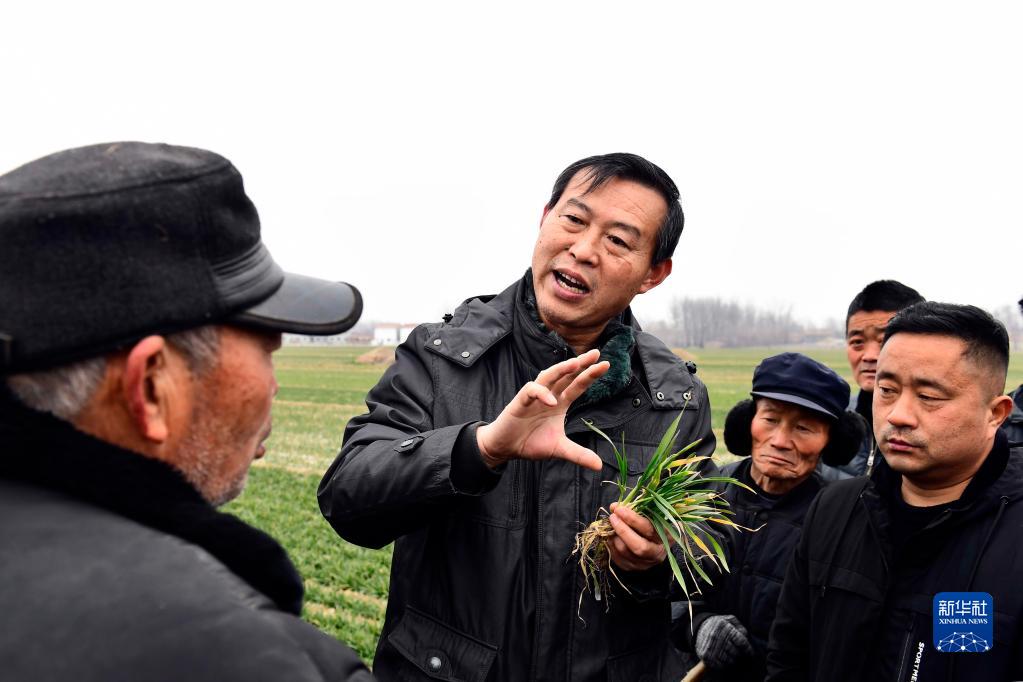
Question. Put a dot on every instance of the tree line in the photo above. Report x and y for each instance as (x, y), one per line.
(697, 322)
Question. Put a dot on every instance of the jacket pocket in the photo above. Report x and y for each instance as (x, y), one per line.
(439, 651)
(502, 507)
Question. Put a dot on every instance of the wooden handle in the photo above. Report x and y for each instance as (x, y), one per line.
(696, 674)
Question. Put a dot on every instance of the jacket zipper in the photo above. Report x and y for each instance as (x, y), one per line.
(901, 674)
(539, 569)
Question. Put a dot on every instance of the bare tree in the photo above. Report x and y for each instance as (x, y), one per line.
(702, 321)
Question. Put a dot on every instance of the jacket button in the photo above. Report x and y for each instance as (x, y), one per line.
(660, 396)
(436, 342)
(466, 353)
(688, 395)
(636, 402)
(434, 663)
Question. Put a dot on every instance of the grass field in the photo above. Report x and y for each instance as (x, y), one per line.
(321, 389)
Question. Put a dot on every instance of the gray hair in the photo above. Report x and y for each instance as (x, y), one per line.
(66, 390)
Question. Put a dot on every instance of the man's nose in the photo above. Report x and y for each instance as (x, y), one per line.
(901, 414)
(781, 439)
(870, 351)
(584, 248)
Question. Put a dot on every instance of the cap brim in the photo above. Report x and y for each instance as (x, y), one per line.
(796, 400)
(306, 305)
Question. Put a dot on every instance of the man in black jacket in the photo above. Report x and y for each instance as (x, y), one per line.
(468, 458)
(1013, 425)
(864, 596)
(795, 418)
(138, 314)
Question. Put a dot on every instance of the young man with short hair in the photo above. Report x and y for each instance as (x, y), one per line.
(940, 513)
(865, 320)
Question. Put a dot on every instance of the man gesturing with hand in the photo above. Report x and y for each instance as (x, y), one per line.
(474, 458)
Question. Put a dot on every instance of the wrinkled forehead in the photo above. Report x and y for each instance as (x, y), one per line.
(870, 323)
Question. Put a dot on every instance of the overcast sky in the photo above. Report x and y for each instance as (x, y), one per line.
(409, 147)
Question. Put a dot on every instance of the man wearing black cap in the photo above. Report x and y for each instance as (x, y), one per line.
(913, 573)
(138, 314)
(469, 455)
(796, 417)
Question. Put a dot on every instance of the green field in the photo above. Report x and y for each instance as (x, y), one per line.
(321, 389)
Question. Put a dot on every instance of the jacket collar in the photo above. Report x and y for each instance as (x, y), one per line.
(39, 449)
(482, 322)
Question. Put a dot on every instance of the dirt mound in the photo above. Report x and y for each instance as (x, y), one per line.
(378, 356)
(684, 354)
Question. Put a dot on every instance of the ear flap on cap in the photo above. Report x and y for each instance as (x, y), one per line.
(845, 439)
(738, 438)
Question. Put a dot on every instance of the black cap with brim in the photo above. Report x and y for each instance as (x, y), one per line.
(305, 305)
(103, 245)
(796, 400)
(801, 380)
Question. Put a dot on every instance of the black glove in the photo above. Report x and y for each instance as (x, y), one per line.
(722, 641)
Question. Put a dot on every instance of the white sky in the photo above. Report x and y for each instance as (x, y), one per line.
(408, 147)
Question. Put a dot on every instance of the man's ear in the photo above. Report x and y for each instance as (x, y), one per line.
(658, 273)
(146, 383)
(546, 210)
(1000, 408)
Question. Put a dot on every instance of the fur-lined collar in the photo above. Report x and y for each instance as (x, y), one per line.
(615, 343)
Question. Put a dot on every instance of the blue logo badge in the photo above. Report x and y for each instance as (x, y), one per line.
(964, 622)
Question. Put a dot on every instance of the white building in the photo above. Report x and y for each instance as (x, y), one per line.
(391, 333)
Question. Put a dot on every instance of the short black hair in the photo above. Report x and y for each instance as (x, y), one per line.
(987, 342)
(884, 294)
(631, 167)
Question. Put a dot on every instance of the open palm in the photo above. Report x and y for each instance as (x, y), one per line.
(532, 425)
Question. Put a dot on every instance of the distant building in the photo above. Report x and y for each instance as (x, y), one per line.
(391, 333)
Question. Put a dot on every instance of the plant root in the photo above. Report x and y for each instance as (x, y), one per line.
(595, 559)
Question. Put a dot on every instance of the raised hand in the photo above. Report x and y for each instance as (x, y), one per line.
(532, 425)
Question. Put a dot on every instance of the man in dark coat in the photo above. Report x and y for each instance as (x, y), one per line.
(913, 573)
(865, 320)
(469, 456)
(796, 417)
(1013, 425)
(138, 314)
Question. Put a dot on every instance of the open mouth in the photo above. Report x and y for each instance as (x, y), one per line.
(570, 283)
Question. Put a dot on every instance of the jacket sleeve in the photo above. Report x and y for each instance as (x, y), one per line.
(788, 650)
(396, 470)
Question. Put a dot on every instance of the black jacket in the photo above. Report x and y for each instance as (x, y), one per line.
(1013, 425)
(757, 560)
(856, 605)
(483, 586)
(112, 567)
